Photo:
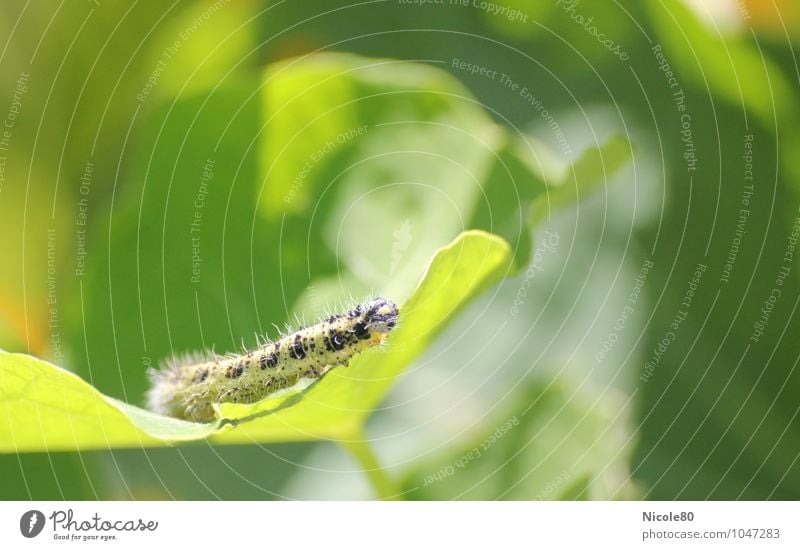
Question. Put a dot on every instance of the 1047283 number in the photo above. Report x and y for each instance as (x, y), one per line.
(756, 533)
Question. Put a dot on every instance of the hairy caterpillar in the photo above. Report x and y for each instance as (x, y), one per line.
(189, 391)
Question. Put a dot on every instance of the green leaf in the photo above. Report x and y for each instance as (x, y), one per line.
(49, 409)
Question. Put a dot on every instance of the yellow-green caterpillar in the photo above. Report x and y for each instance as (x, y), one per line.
(190, 391)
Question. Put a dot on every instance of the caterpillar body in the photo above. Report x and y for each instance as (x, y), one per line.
(190, 391)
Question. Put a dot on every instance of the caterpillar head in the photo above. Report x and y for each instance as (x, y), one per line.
(379, 315)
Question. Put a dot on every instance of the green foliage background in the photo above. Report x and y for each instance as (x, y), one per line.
(350, 148)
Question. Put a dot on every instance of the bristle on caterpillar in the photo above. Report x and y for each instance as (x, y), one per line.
(189, 389)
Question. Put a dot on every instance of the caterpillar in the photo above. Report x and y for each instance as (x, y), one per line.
(191, 390)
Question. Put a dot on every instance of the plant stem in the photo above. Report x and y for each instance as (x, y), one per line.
(359, 447)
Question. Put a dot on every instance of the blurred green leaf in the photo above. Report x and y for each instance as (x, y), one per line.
(383, 158)
(51, 409)
(558, 441)
(521, 171)
(578, 489)
(731, 66)
(201, 47)
(319, 108)
(580, 180)
(405, 150)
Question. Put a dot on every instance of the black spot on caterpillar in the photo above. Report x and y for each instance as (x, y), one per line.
(269, 360)
(190, 390)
